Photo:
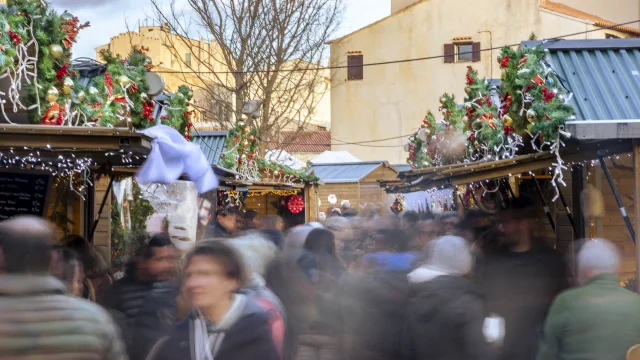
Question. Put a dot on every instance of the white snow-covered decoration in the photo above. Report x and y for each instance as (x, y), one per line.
(332, 198)
(284, 158)
(334, 157)
(171, 156)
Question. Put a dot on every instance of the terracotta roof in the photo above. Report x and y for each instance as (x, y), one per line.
(303, 142)
(573, 12)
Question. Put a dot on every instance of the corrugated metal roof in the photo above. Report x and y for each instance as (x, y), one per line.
(603, 75)
(212, 144)
(402, 167)
(344, 173)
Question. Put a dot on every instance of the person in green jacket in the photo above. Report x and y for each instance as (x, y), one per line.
(598, 321)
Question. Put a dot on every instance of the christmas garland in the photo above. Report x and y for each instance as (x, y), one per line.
(242, 156)
(530, 103)
(35, 53)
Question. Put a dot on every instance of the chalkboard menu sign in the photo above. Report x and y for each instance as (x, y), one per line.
(23, 194)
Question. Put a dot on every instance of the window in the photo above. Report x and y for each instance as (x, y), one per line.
(462, 52)
(611, 36)
(355, 70)
(187, 59)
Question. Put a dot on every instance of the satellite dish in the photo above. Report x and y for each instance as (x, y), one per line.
(156, 84)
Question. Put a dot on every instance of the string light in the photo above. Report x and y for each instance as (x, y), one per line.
(255, 193)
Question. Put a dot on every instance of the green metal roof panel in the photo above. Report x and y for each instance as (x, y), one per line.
(212, 144)
(603, 75)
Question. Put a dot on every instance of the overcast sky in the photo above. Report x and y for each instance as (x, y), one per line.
(110, 17)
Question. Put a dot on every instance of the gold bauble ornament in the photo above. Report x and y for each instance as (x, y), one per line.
(468, 90)
(56, 51)
(507, 121)
(243, 156)
(465, 120)
(66, 16)
(93, 91)
(67, 86)
(443, 100)
(476, 144)
(81, 95)
(52, 94)
(531, 115)
(124, 80)
(144, 96)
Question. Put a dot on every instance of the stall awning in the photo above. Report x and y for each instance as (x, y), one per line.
(461, 174)
(604, 77)
(113, 146)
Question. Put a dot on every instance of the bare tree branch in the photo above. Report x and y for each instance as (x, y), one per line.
(247, 51)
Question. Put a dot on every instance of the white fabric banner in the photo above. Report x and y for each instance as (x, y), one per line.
(171, 156)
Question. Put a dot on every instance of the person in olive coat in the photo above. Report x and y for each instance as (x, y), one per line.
(601, 319)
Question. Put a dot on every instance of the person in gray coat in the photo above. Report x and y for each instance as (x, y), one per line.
(39, 319)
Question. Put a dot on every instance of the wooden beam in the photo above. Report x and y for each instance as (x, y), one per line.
(636, 205)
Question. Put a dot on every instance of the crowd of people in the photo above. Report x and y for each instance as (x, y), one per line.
(450, 287)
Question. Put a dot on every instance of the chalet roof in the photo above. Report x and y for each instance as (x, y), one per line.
(603, 76)
(344, 172)
(303, 142)
(575, 13)
(212, 144)
(461, 174)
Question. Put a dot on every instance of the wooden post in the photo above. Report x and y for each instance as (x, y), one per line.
(636, 204)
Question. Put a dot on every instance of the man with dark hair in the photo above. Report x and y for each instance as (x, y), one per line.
(224, 325)
(154, 267)
(272, 227)
(450, 221)
(225, 224)
(520, 279)
(35, 305)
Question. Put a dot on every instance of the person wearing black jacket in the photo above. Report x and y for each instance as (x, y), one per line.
(225, 224)
(223, 325)
(519, 277)
(445, 314)
(155, 264)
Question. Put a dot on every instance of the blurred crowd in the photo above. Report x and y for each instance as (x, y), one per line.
(455, 286)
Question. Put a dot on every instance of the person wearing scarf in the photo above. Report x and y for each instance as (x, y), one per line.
(224, 325)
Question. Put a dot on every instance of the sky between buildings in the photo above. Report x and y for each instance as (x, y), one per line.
(111, 17)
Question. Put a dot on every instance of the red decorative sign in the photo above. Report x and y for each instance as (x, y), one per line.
(295, 204)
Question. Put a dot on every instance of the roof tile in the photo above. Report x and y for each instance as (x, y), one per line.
(303, 142)
(573, 12)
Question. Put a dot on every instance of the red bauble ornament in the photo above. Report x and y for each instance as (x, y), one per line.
(295, 204)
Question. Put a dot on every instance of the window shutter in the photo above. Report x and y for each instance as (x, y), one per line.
(449, 54)
(355, 70)
(475, 56)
